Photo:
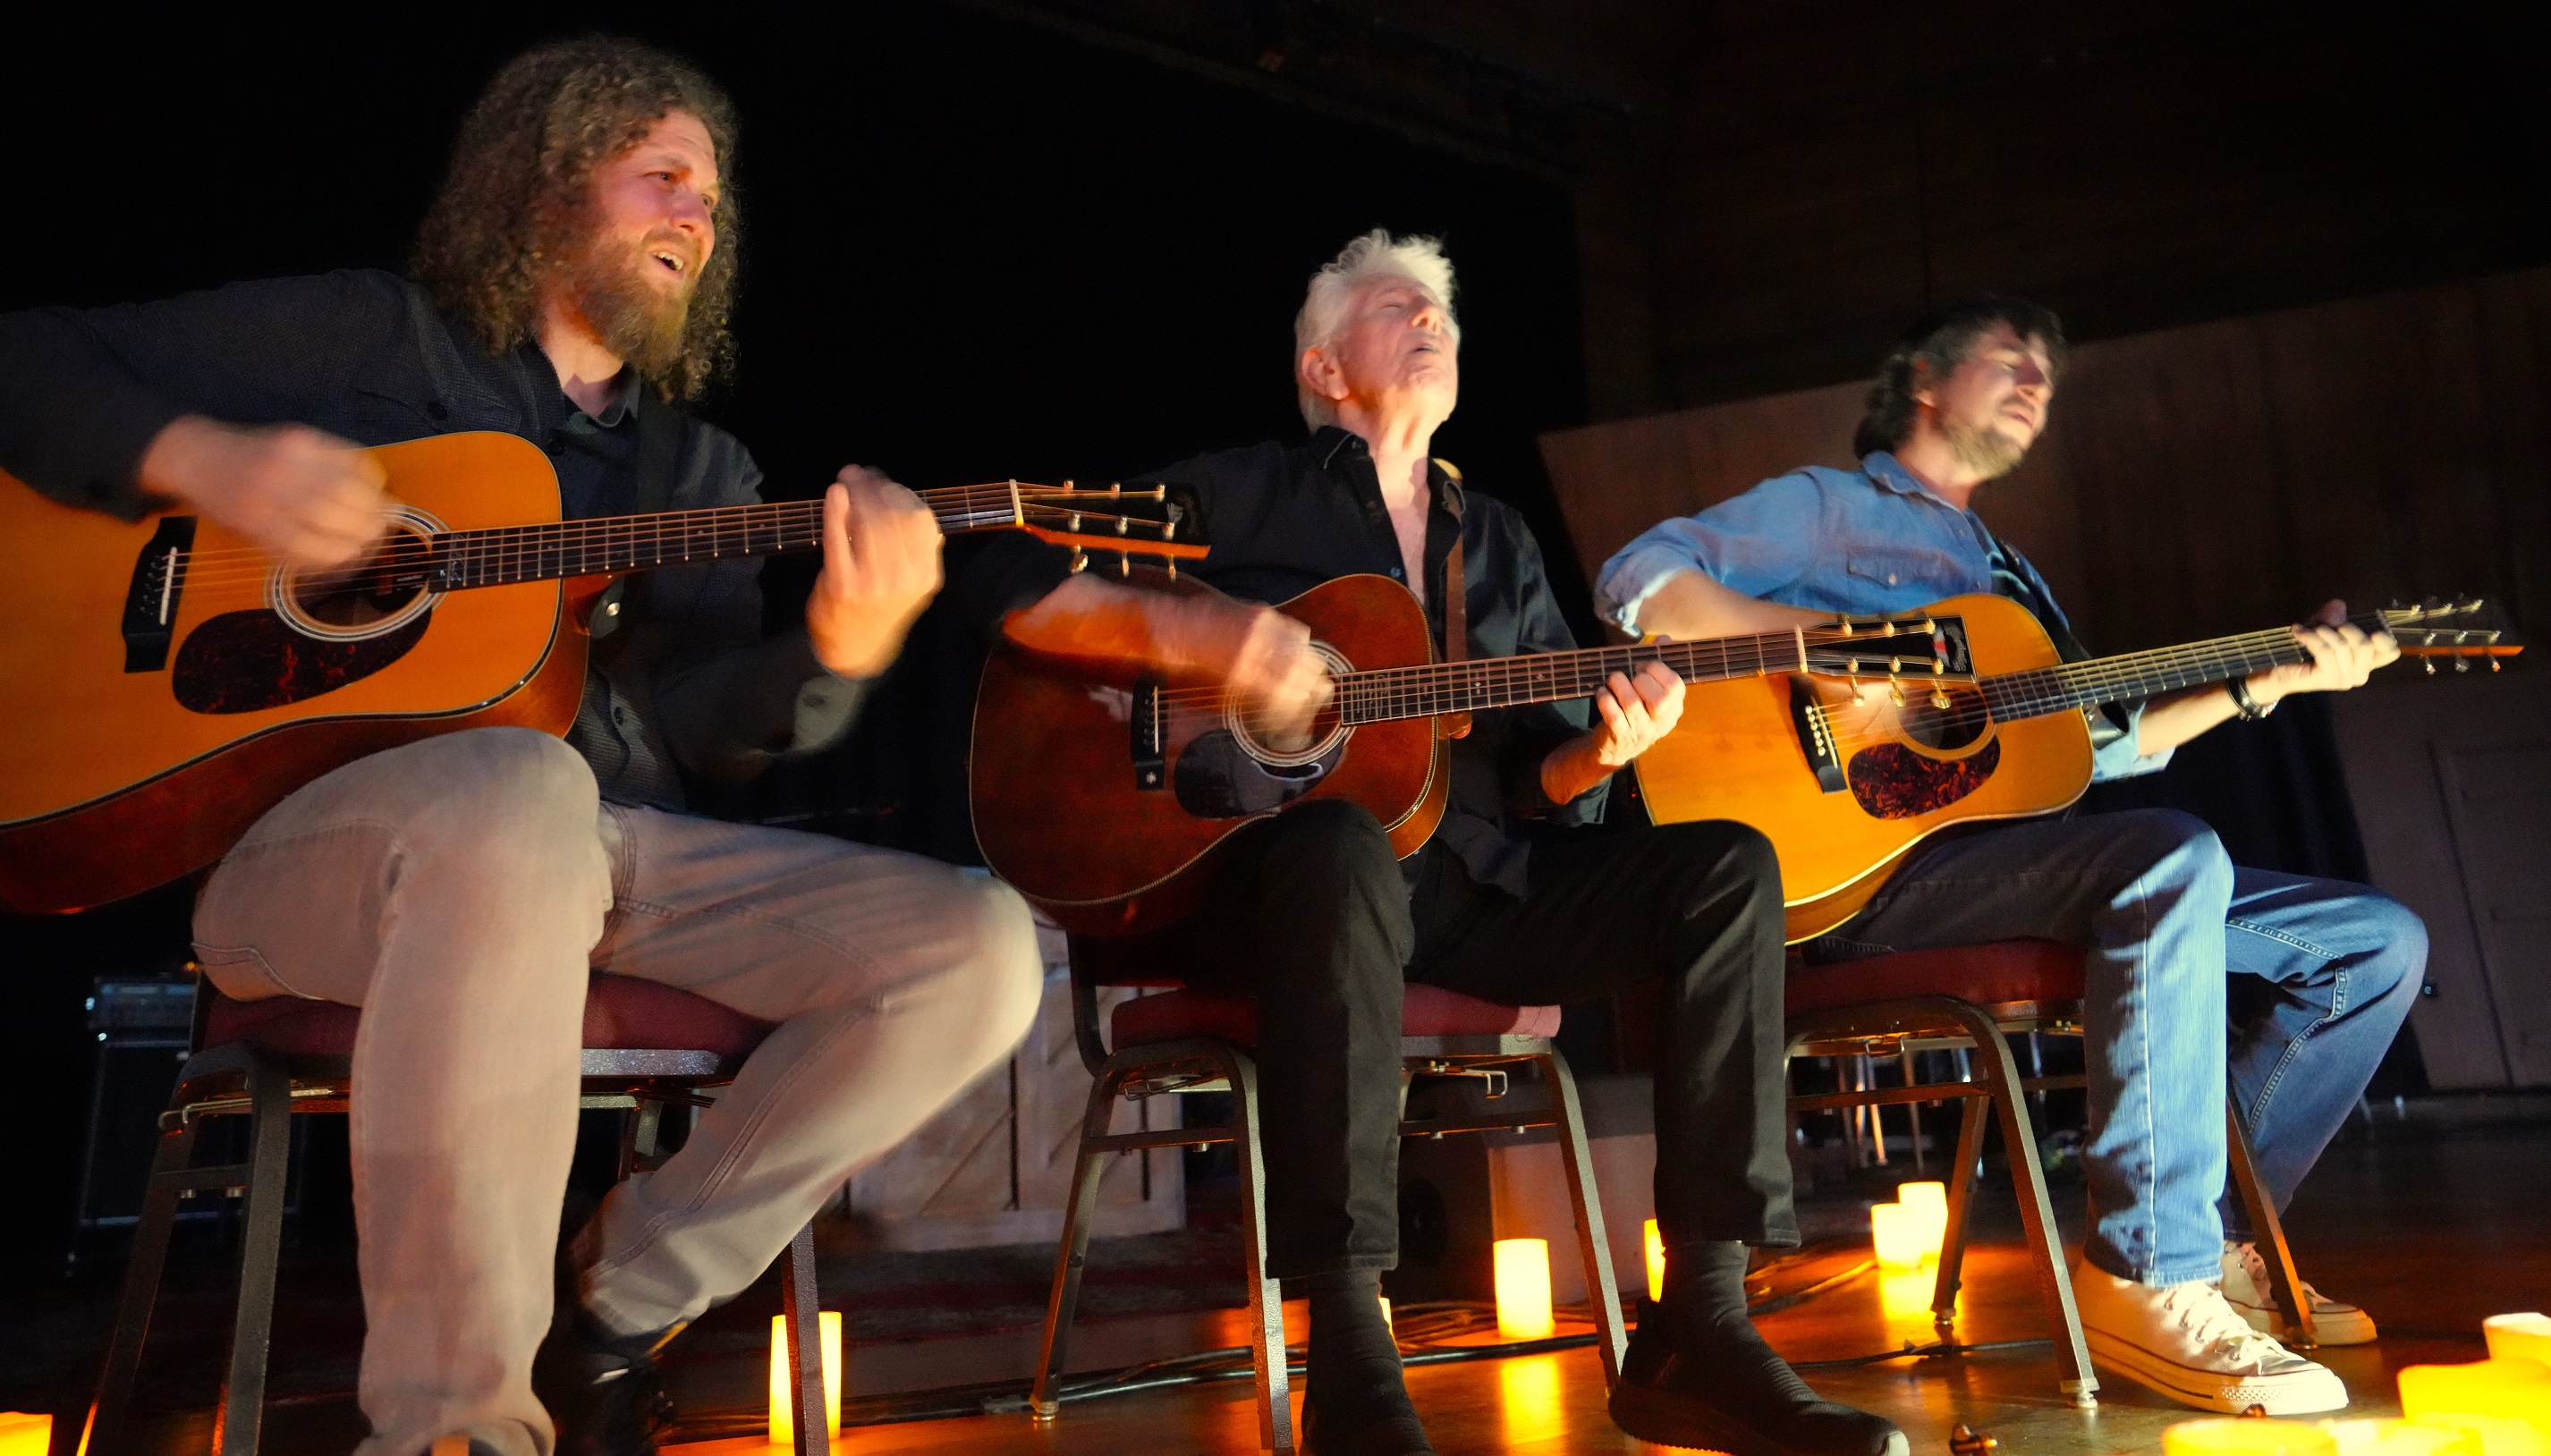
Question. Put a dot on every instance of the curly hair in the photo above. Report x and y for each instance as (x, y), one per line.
(1934, 345)
(516, 204)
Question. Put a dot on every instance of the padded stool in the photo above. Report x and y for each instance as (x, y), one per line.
(645, 1045)
(1184, 1040)
(1971, 998)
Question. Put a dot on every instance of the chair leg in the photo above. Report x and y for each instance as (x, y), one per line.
(803, 1326)
(1080, 1210)
(2269, 1232)
(1962, 1192)
(114, 1406)
(1591, 1242)
(1265, 1298)
(243, 1409)
(2028, 1181)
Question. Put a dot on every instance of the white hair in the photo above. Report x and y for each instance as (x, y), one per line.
(1376, 254)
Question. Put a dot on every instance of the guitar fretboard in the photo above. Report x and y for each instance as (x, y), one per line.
(604, 545)
(1387, 693)
(2042, 690)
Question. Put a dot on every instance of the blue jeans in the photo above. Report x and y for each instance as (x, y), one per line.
(2328, 971)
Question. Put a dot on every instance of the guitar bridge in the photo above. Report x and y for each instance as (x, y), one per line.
(1816, 736)
(151, 603)
(1142, 723)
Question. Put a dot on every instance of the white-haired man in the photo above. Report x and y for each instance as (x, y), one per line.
(1311, 913)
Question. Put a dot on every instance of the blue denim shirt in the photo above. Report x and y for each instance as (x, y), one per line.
(1866, 541)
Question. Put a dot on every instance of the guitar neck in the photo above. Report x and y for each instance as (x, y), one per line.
(2039, 691)
(1387, 693)
(609, 545)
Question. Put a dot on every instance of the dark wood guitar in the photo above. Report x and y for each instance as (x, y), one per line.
(163, 683)
(1098, 795)
(1847, 778)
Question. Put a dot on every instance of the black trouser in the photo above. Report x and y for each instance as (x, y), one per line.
(1309, 912)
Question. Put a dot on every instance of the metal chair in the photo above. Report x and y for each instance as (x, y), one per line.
(1971, 998)
(646, 1046)
(1189, 1041)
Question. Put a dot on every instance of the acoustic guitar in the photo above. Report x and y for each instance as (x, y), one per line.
(1847, 774)
(1100, 794)
(163, 682)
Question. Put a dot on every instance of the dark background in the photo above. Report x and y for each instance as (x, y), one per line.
(972, 251)
(1066, 239)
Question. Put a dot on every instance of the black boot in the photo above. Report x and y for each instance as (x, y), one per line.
(603, 1389)
(1353, 1401)
(1721, 1388)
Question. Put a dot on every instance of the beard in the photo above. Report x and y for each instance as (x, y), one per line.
(643, 323)
(1983, 449)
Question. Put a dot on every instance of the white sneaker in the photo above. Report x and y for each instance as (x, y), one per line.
(2245, 1288)
(2188, 1344)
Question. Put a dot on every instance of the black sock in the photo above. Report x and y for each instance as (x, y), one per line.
(1704, 1310)
(1354, 1374)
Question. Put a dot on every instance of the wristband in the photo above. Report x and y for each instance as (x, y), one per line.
(2243, 704)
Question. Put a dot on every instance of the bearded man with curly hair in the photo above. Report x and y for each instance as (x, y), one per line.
(572, 285)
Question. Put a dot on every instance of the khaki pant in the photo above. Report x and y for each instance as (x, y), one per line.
(457, 889)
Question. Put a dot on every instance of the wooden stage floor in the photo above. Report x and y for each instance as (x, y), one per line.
(2432, 1221)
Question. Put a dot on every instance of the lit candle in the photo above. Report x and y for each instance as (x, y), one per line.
(2506, 1402)
(1523, 1290)
(2526, 1336)
(1898, 1232)
(784, 1398)
(1656, 1244)
(2398, 1438)
(23, 1434)
(2247, 1437)
(1930, 1203)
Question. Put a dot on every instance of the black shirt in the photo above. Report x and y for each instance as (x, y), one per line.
(367, 355)
(1282, 519)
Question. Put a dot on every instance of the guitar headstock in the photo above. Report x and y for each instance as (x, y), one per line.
(1913, 645)
(2460, 631)
(1143, 522)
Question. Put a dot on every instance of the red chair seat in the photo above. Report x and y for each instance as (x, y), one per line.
(1986, 975)
(621, 1012)
(1428, 1010)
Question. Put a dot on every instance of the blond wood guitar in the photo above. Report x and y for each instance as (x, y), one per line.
(163, 682)
(1847, 773)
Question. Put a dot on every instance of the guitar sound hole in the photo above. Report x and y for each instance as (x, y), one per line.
(1947, 729)
(369, 593)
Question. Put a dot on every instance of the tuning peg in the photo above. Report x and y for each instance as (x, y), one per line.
(1081, 562)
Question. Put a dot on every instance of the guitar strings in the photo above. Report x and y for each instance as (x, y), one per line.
(759, 529)
(965, 497)
(719, 521)
(2011, 696)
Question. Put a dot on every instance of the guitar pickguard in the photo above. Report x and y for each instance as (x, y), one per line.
(1216, 779)
(245, 662)
(1892, 782)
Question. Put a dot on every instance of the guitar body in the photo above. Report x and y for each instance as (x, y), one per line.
(1066, 810)
(1909, 772)
(138, 750)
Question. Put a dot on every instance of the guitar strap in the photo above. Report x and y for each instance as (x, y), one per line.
(1456, 600)
(659, 453)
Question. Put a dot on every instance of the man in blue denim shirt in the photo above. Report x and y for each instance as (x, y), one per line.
(2167, 1298)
